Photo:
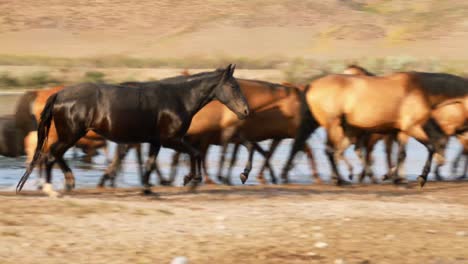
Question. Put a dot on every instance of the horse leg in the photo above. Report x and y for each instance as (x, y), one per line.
(388, 140)
(306, 128)
(465, 170)
(105, 149)
(248, 166)
(153, 153)
(57, 150)
(220, 177)
(235, 151)
(204, 154)
(456, 162)
(312, 162)
(139, 156)
(111, 170)
(369, 160)
(47, 188)
(431, 136)
(174, 164)
(268, 155)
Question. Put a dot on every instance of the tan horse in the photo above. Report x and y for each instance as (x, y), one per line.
(351, 106)
(463, 138)
(450, 115)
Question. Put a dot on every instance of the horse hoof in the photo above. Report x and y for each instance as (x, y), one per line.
(421, 181)
(399, 181)
(209, 181)
(243, 178)
(386, 177)
(187, 179)
(165, 183)
(439, 178)
(274, 181)
(69, 187)
(147, 191)
(341, 182)
(261, 179)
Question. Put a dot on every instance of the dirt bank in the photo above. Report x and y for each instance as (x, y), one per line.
(243, 224)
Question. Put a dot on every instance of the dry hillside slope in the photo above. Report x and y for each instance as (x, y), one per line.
(258, 28)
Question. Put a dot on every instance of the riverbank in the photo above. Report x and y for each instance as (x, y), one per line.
(240, 224)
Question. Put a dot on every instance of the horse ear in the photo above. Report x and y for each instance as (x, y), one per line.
(228, 72)
(233, 67)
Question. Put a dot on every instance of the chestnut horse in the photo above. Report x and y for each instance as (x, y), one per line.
(350, 106)
(159, 114)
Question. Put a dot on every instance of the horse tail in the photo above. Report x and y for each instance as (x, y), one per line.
(42, 134)
(307, 125)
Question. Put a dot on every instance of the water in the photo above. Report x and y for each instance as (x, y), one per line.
(88, 175)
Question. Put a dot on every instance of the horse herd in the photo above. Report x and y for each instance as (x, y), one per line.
(189, 113)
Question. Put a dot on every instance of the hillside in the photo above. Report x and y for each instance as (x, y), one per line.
(331, 29)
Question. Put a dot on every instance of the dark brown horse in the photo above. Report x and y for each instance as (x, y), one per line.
(277, 112)
(352, 106)
(159, 114)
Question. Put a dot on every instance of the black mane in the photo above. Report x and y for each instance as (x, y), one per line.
(443, 84)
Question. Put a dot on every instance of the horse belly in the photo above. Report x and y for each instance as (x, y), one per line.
(128, 127)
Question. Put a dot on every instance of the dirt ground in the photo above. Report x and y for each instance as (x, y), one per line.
(242, 224)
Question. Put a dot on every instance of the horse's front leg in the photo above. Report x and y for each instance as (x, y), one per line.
(195, 160)
(150, 163)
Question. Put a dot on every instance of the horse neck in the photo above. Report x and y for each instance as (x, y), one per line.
(200, 94)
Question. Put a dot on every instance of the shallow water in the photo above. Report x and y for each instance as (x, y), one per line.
(88, 175)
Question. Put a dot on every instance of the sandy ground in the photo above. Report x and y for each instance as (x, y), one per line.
(243, 224)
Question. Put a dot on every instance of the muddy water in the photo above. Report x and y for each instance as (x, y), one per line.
(88, 175)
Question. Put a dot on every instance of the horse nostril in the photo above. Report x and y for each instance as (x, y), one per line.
(246, 111)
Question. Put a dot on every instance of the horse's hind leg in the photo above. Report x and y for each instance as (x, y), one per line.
(233, 161)
(313, 163)
(174, 164)
(47, 188)
(456, 162)
(430, 136)
(465, 170)
(111, 171)
(268, 155)
(57, 150)
(220, 176)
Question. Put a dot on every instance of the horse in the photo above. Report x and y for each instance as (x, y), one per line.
(450, 115)
(276, 113)
(463, 138)
(11, 141)
(160, 115)
(350, 106)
